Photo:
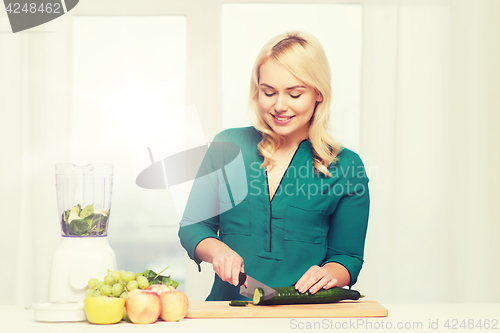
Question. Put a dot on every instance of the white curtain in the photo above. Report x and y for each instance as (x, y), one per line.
(430, 134)
(40, 126)
(35, 129)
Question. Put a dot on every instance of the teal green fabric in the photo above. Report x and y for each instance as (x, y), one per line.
(311, 220)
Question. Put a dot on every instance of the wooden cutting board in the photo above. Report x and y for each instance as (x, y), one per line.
(343, 309)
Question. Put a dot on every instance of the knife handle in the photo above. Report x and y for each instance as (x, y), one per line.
(242, 278)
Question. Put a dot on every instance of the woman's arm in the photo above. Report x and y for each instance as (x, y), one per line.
(227, 263)
(346, 236)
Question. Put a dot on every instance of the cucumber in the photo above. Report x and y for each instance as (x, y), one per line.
(238, 303)
(288, 295)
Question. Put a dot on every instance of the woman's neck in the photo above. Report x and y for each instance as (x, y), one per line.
(292, 142)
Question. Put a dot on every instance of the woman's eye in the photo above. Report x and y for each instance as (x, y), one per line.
(269, 94)
(295, 96)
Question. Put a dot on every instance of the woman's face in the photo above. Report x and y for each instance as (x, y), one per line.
(287, 104)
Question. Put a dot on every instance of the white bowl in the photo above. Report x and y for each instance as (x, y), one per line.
(64, 311)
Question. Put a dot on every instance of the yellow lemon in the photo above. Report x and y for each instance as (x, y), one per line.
(104, 310)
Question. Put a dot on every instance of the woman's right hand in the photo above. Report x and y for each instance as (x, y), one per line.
(227, 265)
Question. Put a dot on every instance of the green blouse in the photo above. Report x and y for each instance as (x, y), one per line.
(311, 220)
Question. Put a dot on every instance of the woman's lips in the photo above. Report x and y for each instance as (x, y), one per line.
(282, 120)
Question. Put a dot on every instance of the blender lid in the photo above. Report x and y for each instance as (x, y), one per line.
(62, 311)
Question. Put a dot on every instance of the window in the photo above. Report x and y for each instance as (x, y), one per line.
(129, 72)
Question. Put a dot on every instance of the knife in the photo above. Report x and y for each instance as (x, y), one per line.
(252, 284)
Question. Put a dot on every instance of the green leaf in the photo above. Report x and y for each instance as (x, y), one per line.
(91, 230)
(97, 224)
(149, 274)
(89, 218)
(64, 223)
(155, 278)
(99, 220)
(154, 281)
(65, 215)
(78, 227)
(166, 280)
(87, 211)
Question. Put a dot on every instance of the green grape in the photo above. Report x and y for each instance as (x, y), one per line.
(124, 295)
(123, 271)
(116, 290)
(92, 283)
(90, 292)
(97, 293)
(131, 285)
(108, 280)
(138, 274)
(142, 282)
(121, 282)
(105, 290)
(99, 285)
(128, 276)
(116, 275)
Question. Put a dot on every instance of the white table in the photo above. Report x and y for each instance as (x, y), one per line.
(416, 318)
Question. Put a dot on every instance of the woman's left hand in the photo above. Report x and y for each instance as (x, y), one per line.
(314, 279)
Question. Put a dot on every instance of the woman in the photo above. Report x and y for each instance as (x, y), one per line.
(303, 220)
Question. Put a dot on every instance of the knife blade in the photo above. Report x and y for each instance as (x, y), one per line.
(252, 284)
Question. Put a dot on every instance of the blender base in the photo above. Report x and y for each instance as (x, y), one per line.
(76, 260)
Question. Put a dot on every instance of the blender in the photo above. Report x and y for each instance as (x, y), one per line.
(84, 207)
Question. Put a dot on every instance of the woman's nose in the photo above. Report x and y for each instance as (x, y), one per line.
(280, 105)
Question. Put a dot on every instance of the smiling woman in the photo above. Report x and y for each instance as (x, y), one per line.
(284, 99)
(309, 235)
(296, 64)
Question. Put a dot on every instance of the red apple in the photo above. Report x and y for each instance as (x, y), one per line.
(158, 288)
(143, 306)
(175, 305)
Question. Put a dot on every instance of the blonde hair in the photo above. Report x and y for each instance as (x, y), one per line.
(303, 56)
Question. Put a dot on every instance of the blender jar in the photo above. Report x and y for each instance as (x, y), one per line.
(84, 199)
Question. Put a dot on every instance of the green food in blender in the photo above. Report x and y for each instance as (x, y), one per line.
(84, 222)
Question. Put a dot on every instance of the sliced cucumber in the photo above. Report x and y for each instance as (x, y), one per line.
(238, 303)
(288, 295)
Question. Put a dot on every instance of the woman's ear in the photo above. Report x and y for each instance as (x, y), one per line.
(319, 97)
